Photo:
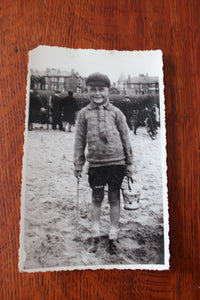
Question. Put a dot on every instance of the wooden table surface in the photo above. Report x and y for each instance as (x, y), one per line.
(170, 25)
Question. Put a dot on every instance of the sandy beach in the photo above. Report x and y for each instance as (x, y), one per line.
(51, 235)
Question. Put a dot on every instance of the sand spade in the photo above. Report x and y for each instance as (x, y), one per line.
(77, 237)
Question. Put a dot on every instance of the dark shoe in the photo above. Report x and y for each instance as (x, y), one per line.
(112, 247)
(95, 242)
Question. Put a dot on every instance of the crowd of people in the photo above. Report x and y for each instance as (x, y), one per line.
(59, 112)
(150, 115)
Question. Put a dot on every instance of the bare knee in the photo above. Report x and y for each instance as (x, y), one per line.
(97, 195)
(114, 197)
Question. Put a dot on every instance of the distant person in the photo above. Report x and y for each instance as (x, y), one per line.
(140, 118)
(56, 109)
(103, 128)
(69, 107)
(44, 111)
(155, 115)
(43, 115)
(34, 108)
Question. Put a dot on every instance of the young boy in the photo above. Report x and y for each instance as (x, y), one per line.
(103, 128)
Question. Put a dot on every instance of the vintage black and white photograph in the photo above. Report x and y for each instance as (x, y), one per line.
(94, 189)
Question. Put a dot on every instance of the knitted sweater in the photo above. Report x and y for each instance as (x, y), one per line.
(116, 151)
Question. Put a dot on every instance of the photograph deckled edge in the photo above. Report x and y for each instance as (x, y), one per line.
(165, 266)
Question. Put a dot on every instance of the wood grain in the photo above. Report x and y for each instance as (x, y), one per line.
(170, 25)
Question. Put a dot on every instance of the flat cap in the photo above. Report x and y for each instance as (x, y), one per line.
(98, 79)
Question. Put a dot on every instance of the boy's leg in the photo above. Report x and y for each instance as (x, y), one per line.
(115, 177)
(114, 199)
(96, 181)
(96, 178)
(97, 198)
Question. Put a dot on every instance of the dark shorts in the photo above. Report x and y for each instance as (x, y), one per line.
(112, 175)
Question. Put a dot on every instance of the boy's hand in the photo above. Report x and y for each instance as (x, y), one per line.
(129, 171)
(77, 173)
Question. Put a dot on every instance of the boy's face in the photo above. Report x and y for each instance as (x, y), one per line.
(98, 94)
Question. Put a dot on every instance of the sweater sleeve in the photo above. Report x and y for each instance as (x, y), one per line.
(124, 134)
(80, 142)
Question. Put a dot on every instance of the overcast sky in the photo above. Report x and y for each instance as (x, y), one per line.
(87, 61)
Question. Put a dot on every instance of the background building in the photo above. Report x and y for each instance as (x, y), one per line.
(53, 79)
(138, 85)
